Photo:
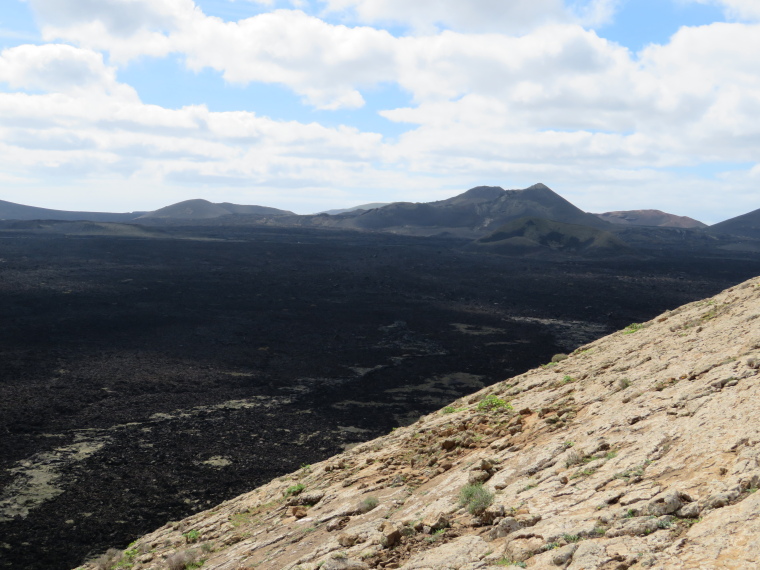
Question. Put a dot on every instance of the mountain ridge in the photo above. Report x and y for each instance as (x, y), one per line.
(655, 218)
(471, 214)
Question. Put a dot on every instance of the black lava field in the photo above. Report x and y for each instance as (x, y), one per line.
(142, 380)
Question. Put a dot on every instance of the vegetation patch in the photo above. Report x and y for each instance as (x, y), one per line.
(491, 403)
(294, 490)
(475, 498)
(368, 504)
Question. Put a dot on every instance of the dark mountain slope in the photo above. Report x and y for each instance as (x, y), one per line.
(471, 214)
(12, 211)
(203, 210)
(747, 225)
(538, 235)
(655, 218)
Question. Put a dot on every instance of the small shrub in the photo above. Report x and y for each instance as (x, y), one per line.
(632, 328)
(475, 498)
(192, 536)
(436, 536)
(567, 379)
(491, 403)
(559, 358)
(571, 537)
(449, 410)
(108, 559)
(294, 490)
(368, 504)
(182, 560)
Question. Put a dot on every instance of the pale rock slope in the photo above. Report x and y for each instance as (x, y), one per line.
(640, 450)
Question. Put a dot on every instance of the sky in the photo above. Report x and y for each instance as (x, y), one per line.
(307, 105)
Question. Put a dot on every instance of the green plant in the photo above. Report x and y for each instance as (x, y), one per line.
(568, 444)
(128, 558)
(510, 562)
(491, 403)
(368, 504)
(630, 513)
(436, 536)
(584, 473)
(611, 454)
(559, 357)
(571, 537)
(475, 498)
(634, 472)
(550, 546)
(567, 379)
(632, 328)
(294, 490)
(192, 536)
(450, 410)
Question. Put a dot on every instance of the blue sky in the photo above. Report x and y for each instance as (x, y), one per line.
(305, 105)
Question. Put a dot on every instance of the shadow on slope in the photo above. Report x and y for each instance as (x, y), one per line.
(538, 236)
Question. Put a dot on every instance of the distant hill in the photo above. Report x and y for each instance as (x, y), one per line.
(371, 206)
(747, 225)
(655, 218)
(203, 210)
(12, 211)
(474, 213)
(538, 235)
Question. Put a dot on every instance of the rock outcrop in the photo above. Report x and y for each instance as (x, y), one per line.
(639, 450)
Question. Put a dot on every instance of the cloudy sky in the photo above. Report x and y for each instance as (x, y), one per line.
(125, 105)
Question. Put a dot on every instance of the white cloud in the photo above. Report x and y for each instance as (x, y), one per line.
(740, 9)
(514, 16)
(59, 68)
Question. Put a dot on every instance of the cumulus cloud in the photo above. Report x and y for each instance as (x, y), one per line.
(60, 68)
(125, 28)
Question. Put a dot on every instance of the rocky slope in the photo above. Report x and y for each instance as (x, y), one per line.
(640, 450)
